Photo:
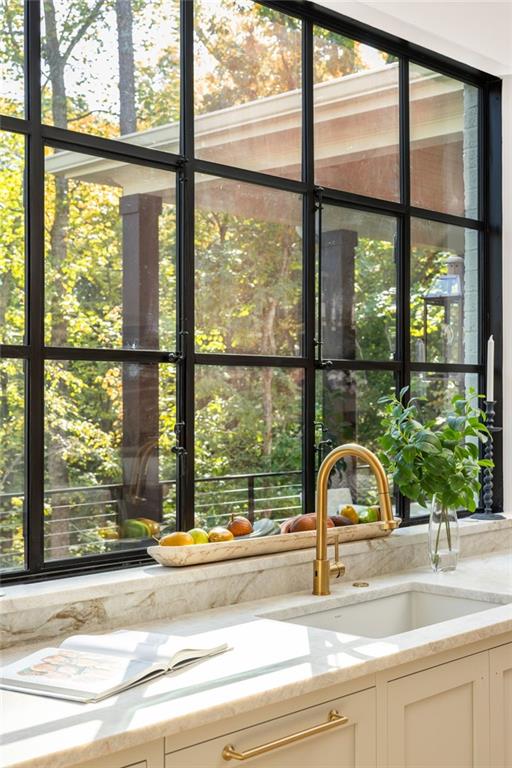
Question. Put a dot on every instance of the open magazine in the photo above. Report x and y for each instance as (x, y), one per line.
(92, 667)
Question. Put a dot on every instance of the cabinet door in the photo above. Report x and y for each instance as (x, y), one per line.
(501, 706)
(440, 717)
(149, 755)
(351, 745)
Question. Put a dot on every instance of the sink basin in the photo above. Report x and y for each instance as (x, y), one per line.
(392, 614)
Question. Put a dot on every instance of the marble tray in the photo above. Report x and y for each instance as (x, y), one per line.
(196, 554)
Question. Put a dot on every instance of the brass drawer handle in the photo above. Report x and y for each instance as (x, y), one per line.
(335, 719)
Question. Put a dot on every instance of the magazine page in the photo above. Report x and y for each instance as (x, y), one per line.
(74, 670)
(150, 646)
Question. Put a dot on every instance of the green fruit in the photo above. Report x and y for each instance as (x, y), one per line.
(370, 515)
(199, 535)
(134, 529)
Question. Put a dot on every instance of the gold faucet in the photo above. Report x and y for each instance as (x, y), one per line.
(323, 567)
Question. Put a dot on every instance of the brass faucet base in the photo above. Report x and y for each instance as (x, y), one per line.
(322, 577)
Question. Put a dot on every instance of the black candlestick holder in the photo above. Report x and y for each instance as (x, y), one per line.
(488, 512)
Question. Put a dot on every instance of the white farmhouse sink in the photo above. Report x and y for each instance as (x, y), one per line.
(407, 608)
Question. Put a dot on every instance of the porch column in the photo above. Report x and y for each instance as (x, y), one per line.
(142, 495)
(339, 341)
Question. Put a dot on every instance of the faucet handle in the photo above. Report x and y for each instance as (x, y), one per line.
(337, 567)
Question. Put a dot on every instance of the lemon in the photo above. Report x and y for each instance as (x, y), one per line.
(199, 535)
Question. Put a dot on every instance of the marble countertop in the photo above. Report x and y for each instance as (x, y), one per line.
(270, 662)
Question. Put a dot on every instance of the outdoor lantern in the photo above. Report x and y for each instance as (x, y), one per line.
(446, 291)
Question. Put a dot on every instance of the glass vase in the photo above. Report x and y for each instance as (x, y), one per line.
(443, 538)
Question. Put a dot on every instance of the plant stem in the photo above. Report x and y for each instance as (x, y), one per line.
(448, 529)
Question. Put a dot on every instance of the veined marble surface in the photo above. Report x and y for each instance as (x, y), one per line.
(105, 601)
(270, 662)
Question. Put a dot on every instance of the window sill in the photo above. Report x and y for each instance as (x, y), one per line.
(101, 601)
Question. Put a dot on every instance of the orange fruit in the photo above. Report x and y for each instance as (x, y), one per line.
(220, 534)
(348, 511)
(176, 539)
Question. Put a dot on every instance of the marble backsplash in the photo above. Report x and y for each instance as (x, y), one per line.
(102, 602)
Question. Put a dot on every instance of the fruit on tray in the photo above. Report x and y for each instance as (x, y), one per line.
(340, 520)
(134, 529)
(176, 539)
(199, 535)
(220, 534)
(306, 523)
(347, 510)
(240, 526)
(369, 515)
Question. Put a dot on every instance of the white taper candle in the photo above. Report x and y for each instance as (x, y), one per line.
(490, 369)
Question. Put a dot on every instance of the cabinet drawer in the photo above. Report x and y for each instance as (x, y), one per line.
(348, 745)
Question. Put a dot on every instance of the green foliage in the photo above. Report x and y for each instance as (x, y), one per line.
(438, 458)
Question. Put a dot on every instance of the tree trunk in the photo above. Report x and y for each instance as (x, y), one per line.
(127, 109)
(57, 470)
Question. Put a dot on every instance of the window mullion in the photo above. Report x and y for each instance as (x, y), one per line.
(403, 254)
(309, 293)
(185, 268)
(34, 423)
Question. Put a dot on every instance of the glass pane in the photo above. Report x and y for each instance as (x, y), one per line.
(348, 411)
(108, 460)
(444, 293)
(12, 59)
(248, 424)
(12, 238)
(248, 268)
(110, 254)
(247, 86)
(12, 464)
(357, 284)
(436, 390)
(356, 117)
(444, 143)
(112, 69)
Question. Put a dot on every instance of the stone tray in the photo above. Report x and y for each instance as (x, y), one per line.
(195, 554)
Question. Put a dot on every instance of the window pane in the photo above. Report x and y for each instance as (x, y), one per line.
(248, 423)
(436, 390)
(108, 439)
(348, 411)
(248, 268)
(444, 293)
(444, 143)
(12, 464)
(12, 59)
(110, 254)
(112, 69)
(247, 91)
(12, 239)
(356, 117)
(357, 284)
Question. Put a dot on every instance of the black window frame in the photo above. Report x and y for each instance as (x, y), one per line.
(185, 165)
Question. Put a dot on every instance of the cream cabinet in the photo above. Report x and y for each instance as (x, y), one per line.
(440, 717)
(150, 755)
(349, 742)
(501, 706)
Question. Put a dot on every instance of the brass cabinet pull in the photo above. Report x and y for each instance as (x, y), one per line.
(335, 719)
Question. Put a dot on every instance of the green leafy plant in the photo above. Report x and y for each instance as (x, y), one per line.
(437, 460)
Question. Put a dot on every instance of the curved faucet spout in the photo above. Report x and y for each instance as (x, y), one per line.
(322, 569)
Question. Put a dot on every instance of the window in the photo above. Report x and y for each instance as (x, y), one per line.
(213, 265)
